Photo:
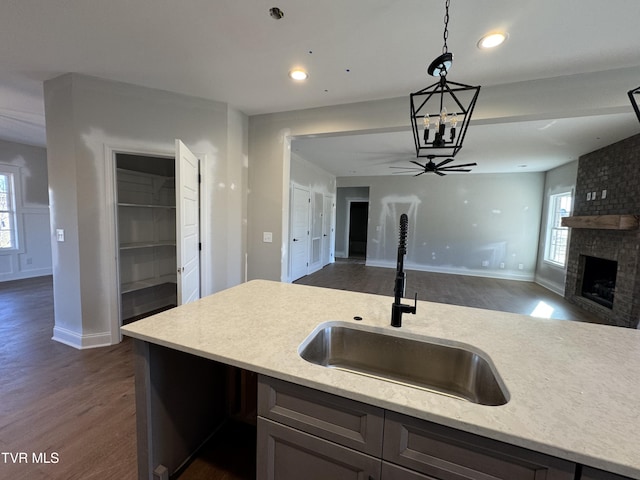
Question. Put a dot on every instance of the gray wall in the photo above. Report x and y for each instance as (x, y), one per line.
(87, 120)
(309, 175)
(558, 180)
(33, 257)
(456, 222)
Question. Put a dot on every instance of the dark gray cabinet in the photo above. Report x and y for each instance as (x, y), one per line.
(286, 453)
(305, 433)
(445, 453)
(589, 473)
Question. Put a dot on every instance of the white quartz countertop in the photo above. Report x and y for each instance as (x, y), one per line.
(574, 388)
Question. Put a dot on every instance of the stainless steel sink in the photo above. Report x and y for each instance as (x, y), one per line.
(453, 370)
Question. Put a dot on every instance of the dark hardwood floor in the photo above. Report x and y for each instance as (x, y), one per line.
(54, 399)
(78, 406)
(489, 293)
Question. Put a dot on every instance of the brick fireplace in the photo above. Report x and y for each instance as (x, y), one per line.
(607, 186)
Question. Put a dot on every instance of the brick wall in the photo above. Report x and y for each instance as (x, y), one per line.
(616, 169)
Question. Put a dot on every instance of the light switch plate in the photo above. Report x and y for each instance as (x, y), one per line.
(60, 234)
(267, 237)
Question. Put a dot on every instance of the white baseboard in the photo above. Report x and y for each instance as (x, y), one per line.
(79, 341)
(40, 272)
(522, 277)
(554, 287)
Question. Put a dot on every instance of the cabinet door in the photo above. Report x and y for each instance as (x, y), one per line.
(288, 454)
(589, 473)
(445, 453)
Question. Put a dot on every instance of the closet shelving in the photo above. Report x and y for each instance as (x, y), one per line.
(146, 235)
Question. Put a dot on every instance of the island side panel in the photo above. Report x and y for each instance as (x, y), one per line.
(180, 402)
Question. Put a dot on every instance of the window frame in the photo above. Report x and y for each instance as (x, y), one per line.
(556, 231)
(14, 209)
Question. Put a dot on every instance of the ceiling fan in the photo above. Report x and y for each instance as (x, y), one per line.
(441, 168)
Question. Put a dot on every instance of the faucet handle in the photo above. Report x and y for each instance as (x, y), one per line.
(415, 305)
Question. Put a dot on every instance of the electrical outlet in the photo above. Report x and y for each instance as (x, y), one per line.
(485, 263)
(501, 264)
(521, 266)
(267, 237)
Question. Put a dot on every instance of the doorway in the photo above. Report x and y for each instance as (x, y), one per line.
(157, 226)
(358, 222)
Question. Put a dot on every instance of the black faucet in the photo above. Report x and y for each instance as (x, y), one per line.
(398, 308)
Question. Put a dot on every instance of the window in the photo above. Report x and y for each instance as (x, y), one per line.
(557, 235)
(7, 212)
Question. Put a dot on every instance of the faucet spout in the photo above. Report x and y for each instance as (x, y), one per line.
(398, 308)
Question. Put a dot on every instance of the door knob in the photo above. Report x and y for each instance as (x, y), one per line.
(295, 239)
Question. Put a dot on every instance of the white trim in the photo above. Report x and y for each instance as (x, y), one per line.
(81, 342)
(286, 208)
(15, 190)
(552, 286)
(34, 273)
(523, 277)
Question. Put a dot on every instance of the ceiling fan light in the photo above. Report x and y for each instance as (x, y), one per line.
(492, 40)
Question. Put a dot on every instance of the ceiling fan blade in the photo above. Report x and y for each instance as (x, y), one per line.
(419, 164)
(439, 173)
(421, 173)
(457, 170)
(409, 168)
(461, 165)
(444, 162)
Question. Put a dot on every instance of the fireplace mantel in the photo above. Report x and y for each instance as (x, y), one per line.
(602, 222)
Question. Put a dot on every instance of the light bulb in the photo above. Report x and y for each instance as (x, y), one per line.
(453, 119)
(298, 74)
(492, 40)
(425, 121)
(443, 115)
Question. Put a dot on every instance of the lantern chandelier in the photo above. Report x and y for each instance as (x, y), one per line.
(440, 113)
(634, 95)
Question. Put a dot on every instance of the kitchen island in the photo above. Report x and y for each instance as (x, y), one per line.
(573, 388)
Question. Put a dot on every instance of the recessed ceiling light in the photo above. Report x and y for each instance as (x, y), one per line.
(298, 74)
(492, 40)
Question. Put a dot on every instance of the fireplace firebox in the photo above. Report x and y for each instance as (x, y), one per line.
(599, 280)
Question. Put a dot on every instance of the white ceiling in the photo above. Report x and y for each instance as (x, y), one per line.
(354, 50)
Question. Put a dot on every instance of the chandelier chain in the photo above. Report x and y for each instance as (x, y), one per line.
(445, 35)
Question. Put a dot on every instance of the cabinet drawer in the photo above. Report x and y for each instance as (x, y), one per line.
(288, 454)
(589, 473)
(449, 454)
(395, 472)
(340, 420)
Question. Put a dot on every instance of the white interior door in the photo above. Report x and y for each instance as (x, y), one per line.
(187, 224)
(299, 240)
(317, 215)
(328, 235)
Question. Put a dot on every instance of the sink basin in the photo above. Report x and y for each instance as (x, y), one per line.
(449, 369)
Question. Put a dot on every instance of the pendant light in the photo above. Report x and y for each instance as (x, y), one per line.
(440, 113)
(634, 96)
